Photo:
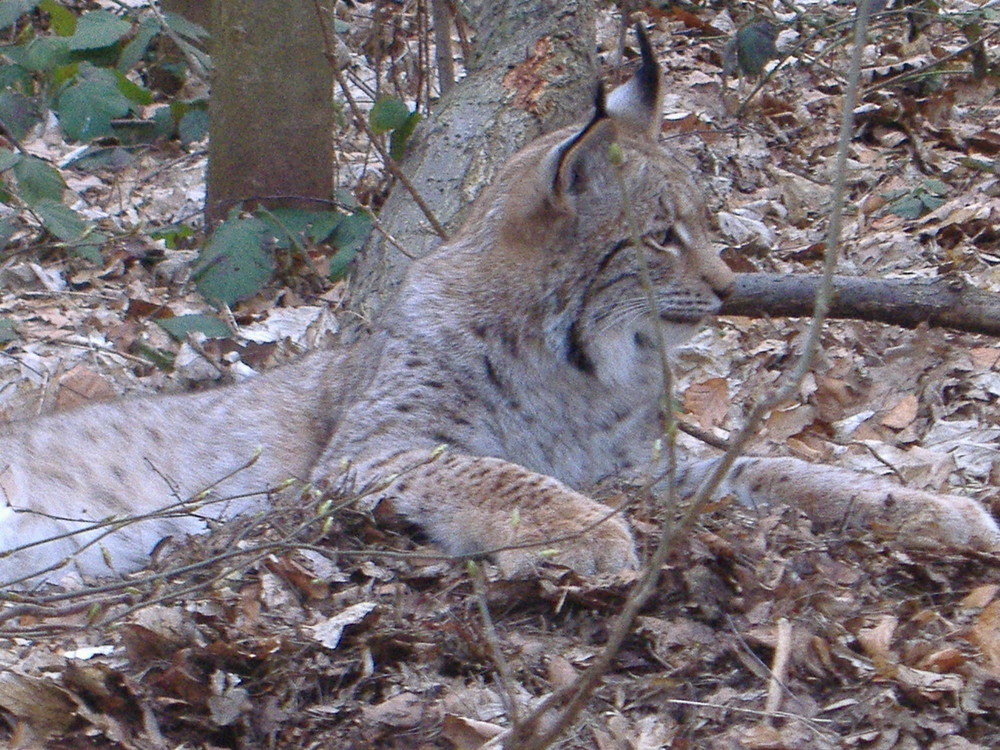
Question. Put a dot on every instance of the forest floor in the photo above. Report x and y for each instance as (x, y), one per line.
(764, 632)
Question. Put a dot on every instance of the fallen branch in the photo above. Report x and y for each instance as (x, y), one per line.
(944, 302)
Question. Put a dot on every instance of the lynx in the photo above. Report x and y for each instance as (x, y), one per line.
(524, 345)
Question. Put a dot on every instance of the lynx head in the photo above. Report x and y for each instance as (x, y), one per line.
(568, 207)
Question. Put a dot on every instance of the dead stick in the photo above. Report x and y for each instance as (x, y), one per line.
(779, 667)
(945, 302)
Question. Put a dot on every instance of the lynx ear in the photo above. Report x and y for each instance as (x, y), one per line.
(638, 100)
(566, 166)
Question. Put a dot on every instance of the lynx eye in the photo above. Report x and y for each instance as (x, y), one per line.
(664, 242)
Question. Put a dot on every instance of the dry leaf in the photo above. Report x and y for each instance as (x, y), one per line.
(402, 711)
(985, 633)
(81, 385)
(980, 596)
(902, 414)
(39, 702)
(876, 641)
(468, 734)
(329, 631)
(945, 660)
(708, 401)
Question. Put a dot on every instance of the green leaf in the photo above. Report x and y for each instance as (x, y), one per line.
(135, 50)
(7, 332)
(60, 219)
(348, 238)
(159, 358)
(931, 201)
(352, 231)
(397, 141)
(37, 181)
(324, 225)
(234, 264)
(11, 10)
(752, 47)
(908, 207)
(41, 54)
(62, 75)
(181, 325)
(61, 19)
(102, 158)
(87, 108)
(171, 234)
(388, 114)
(193, 125)
(17, 78)
(63, 222)
(345, 198)
(18, 113)
(133, 91)
(287, 225)
(180, 25)
(7, 229)
(8, 159)
(936, 187)
(96, 29)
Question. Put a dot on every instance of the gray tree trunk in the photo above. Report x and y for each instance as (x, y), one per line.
(533, 71)
(270, 116)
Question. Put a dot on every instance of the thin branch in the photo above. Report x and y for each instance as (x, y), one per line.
(362, 122)
(493, 642)
(944, 302)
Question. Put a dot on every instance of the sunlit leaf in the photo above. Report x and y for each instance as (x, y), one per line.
(61, 19)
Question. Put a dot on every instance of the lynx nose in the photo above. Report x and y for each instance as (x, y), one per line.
(722, 291)
(718, 276)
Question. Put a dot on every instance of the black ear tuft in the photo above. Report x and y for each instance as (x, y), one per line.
(648, 74)
(636, 102)
(600, 103)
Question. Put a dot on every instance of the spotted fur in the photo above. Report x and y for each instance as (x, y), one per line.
(525, 345)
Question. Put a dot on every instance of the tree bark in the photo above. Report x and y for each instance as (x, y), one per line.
(270, 116)
(533, 70)
(946, 302)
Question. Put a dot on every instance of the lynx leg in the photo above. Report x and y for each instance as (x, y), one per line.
(471, 504)
(837, 497)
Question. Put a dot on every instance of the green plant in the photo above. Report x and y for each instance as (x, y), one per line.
(238, 259)
(915, 202)
(390, 115)
(87, 70)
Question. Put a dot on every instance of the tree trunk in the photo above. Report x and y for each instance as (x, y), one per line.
(270, 116)
(533, 70)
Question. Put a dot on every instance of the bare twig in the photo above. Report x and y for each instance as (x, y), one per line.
(493, 642)
(779, 668)
(362, 122)
(441, 15)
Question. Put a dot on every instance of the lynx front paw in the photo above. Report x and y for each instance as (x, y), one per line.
(949, 519)
(605, 548)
